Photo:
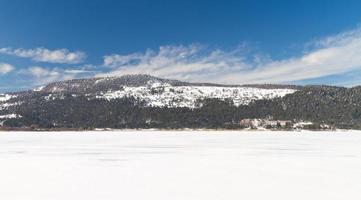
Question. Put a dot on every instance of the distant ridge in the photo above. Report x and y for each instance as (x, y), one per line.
(116, 83)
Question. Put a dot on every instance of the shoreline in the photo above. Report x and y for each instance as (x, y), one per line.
(107, 130)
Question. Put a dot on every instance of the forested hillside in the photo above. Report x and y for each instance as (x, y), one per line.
(162, 103)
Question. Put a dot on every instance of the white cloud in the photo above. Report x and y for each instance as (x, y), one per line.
(42, 75)
(5, 68)
(40, 72)
(330, 56)
(180, 62)
(46, 55)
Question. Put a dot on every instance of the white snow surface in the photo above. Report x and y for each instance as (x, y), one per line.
(7, 105)
(10, 116)
(164, 95)
(38, 89)
(6, 97)
(164, 165)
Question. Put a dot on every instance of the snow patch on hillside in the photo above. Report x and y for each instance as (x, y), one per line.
(38, 89)
(10, 116)
(7, 105)
(6, 97)
(157, 94)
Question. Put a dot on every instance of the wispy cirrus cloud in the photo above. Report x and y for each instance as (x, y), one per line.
(46, 55)
(5, 68)
(193, 62)
(329, 56)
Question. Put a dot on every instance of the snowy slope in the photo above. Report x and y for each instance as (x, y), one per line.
(157, 94)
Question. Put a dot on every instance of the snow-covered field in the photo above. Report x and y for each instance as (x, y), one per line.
(180, 165)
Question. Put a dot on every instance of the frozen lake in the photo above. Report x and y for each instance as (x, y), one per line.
(180, 165)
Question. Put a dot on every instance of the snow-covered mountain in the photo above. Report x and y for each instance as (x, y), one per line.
(150, 91)
(157, 92)
(143, 101)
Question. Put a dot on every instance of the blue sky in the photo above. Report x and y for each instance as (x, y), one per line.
(268, 41)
